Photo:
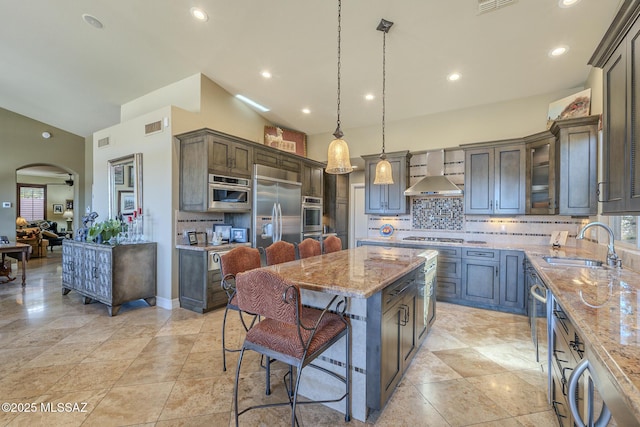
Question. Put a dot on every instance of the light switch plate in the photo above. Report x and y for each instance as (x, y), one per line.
(558, 238)
(6, 204)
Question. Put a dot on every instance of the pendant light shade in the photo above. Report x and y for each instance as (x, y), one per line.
(383, 168)
(338, 161)
(383, 172)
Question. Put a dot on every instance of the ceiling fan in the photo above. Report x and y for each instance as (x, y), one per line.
(68, 181)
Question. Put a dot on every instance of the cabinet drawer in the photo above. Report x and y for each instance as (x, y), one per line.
(394, 292)
(447, 288)
(447, 252)
(448, 267)
(488, 254)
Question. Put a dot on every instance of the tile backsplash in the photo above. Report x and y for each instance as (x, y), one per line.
(444, 217)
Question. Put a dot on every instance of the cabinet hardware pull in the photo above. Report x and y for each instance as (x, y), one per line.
(598, 192)
(574, 379)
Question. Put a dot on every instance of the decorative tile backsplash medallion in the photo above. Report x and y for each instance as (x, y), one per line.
(438, 213)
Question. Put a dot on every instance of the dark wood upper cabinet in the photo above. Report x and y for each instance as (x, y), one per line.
(618, 54)
(387, 199)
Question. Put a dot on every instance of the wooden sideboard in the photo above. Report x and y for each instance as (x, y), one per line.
(109, 274)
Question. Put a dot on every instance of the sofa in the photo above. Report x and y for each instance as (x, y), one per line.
(51, 234)
(33, 237)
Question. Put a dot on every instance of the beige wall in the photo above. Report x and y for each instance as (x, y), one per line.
(21, 144)
(502, 120)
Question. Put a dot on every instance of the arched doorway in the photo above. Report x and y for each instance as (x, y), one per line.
(45, 196)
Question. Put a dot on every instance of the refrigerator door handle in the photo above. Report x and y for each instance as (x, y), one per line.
(274, 221)
(279, 221)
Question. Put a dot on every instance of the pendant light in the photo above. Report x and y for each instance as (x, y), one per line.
(338, 161)
(383, 168)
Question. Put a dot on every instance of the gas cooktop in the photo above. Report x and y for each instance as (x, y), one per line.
(434, 239)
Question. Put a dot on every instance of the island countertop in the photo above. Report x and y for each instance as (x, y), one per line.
(358, 273)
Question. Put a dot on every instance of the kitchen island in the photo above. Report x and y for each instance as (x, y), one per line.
(388, 306)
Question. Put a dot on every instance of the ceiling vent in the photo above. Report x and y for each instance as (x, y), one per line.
(489, 5)
(104, 142)
(154, 127)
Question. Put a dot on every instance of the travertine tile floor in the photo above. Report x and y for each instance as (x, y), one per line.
(149, 366)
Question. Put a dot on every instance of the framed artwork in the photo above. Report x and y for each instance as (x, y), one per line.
(127, 202)
(69, 205)
(57, 208)
(193, 237)
(131, 176)
(118, 174)
(287, 140)
(576, 105)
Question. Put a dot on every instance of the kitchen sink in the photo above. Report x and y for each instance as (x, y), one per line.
(573, 262)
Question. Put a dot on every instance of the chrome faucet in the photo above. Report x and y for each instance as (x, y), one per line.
(612, 258)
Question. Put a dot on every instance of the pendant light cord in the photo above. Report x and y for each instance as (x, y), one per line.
(384, 79)
(338, 133)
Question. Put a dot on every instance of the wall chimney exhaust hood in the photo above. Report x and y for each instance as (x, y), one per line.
(433, 186)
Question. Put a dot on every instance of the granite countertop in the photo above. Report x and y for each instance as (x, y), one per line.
(357, 273)
(604, 305)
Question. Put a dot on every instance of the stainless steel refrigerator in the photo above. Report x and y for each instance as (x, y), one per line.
(276, 206)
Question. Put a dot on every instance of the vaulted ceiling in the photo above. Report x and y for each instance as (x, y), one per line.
(58, 69)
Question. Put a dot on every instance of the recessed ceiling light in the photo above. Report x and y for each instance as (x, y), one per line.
(568, 3)
(46, 135)
(369, 97)
(199, 14)
(306, 111)
(266, 74)
(453, 77)
(92, 20)
(252, 103)
(558, 51)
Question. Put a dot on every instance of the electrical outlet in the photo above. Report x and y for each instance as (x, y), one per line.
(6, 204)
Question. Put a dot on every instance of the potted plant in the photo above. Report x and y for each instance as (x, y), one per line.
(104, 232)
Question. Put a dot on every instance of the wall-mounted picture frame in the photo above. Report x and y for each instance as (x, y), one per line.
(57, 209)
(126, 202)
(68, 205)
(193, 237)
(287, 140)
(118, 174)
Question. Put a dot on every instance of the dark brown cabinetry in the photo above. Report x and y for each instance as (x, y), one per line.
(203, 152)
(109, 274)
(272, 157)
(577, 141)
(495, 178)
(618, 55)
(387, 199)
(336, 206)
(312, 180)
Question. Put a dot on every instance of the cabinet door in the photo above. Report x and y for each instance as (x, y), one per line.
(448, 289)
(219, 156)
(480, 281)
(512, 288)
(266, 157)
(290, 163)
(67, 265)
(192, 279)
(633, 121)
(541, 185)
(193, 174)
(396, 201)
(614, 132)
(578, 151)
(375, 195)
(408, 334)
(241, 160)
(390, 357)
(89, 272)
(478, 181)
(420, 312)
(104, 275)
(510, 167)
(311, 180)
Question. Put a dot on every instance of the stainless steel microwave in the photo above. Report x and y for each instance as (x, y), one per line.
(229, 193)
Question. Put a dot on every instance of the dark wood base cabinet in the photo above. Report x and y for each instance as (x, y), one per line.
(112, 275)
(200, 289)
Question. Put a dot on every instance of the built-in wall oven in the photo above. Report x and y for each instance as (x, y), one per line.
(229, 193)
(311, 216)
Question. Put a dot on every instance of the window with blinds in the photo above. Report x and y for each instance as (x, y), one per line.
(32, 202)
